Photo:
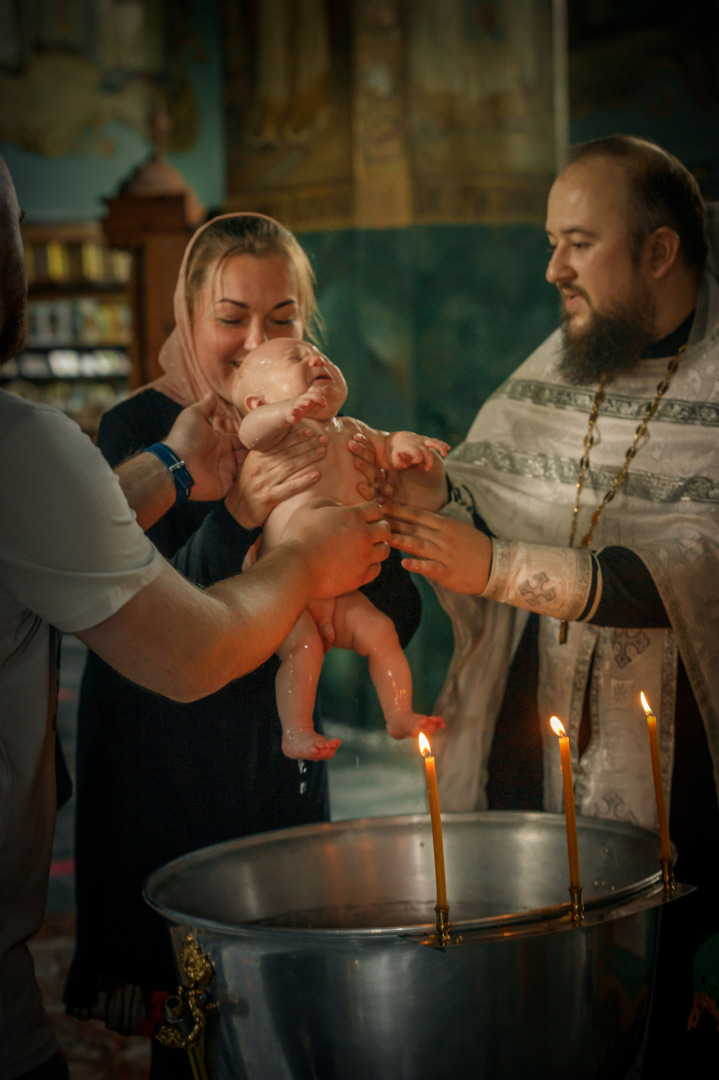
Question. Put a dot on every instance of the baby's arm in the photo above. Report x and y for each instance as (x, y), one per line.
(405, 448)
(266, 425)
(418, 480)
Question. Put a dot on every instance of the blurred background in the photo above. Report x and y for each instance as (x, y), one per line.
(410, 145)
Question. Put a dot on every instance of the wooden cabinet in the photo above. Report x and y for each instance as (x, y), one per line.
(154, 229)
(101, 297)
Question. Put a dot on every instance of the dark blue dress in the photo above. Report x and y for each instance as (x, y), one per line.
(156, 779)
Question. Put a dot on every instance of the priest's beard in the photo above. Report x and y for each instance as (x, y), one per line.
(612, 344)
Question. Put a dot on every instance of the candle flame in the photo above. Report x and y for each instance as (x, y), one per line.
(557, 726)
(645, 704)
(424, 747)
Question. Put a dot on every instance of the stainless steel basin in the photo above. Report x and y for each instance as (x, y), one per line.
(327, 967)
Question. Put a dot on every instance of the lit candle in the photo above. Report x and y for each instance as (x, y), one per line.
(569, 812)
(436, 820)
(658, 783)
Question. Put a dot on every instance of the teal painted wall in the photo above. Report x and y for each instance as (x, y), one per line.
(664, 112)
(425, 322)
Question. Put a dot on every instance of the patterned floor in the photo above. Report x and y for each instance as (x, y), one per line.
(93, 1052)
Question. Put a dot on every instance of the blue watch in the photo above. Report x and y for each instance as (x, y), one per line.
(180, 473)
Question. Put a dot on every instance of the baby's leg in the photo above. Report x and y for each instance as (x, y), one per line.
(301, 655)
(360, 626)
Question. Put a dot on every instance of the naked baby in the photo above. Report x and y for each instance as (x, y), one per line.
(285, 382)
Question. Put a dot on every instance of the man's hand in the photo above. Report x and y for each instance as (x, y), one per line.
(451, 552)
(345, 545)
(268, 477)
(212, 456)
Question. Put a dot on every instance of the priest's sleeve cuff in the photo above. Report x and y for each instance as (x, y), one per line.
(561, 582)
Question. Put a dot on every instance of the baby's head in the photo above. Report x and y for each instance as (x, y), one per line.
(282, 369)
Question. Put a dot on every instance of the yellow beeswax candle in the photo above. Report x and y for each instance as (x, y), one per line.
(569, 810)
(658, 782)
(436, 820)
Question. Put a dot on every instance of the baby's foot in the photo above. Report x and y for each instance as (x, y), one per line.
(308, 744)
(402, 725)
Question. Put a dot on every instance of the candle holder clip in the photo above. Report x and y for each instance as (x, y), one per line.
(576, 904)
(442, 915)
(668, 877)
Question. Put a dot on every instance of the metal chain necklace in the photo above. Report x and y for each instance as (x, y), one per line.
(639, 435)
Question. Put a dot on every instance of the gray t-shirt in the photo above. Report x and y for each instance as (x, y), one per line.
(71, 555)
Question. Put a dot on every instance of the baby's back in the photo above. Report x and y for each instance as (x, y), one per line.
(339, 476)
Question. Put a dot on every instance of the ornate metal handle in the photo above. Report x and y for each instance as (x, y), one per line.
(186, 1011)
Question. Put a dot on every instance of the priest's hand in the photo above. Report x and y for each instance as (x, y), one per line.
(450, 552)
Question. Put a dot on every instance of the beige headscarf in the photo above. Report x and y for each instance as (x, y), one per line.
(185, 380)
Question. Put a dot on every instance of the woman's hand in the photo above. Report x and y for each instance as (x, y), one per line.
(268, 477)
(451, 552)
(426, 488)
(212, 452)
(374, 481)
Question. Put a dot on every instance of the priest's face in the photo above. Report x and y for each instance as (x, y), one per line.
(607, 308)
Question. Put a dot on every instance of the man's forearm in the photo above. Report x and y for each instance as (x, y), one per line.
(185, 642)
(148, 486)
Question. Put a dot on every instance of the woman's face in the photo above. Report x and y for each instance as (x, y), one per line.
(247, 301)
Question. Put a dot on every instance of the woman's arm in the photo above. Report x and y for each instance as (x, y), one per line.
(212, 458)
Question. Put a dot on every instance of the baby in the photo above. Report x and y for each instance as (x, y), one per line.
(281, 383)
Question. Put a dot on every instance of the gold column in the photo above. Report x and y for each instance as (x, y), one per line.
(382, 179)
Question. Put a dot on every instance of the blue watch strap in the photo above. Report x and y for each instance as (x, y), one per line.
(180, 473)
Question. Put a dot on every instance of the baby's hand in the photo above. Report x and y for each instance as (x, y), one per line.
(409, 449)
(305, 403)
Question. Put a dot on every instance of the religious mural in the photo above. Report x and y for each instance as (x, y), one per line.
(67, 67)
(481, 109)
(387, 113)
(288, 108)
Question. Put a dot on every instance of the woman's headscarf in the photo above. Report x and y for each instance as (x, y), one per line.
(184, 380)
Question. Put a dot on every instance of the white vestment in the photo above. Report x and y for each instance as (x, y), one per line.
(518, 468)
